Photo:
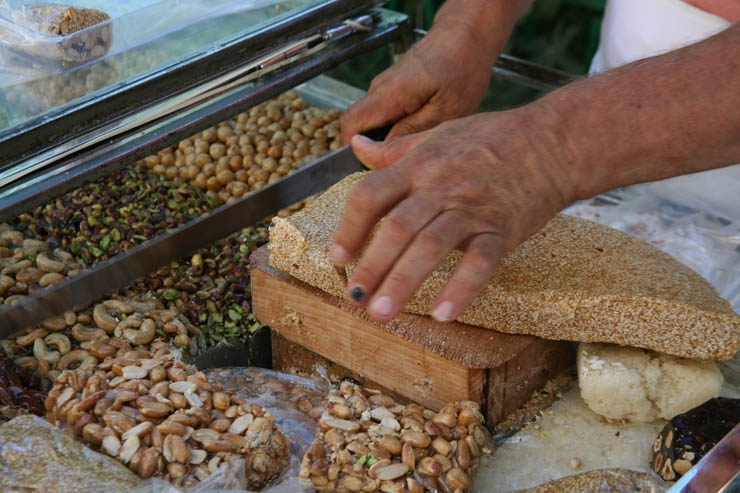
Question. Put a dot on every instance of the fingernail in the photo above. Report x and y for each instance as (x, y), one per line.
(364, 138)
(357, 292)
(444, 312)
(382, 306)
(339, 255)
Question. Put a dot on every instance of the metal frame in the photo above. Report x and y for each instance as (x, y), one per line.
(51, 130)
(99, 160)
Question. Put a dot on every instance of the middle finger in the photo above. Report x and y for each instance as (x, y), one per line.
(394, 234)
(430, 246)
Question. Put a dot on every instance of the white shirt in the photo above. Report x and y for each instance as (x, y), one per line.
(635, 29)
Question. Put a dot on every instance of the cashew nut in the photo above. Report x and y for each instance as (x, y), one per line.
(6, 282)
(27, 362)
(162, 316)
(50, 278)
(28, 339)
(29, 275)
(64, 256)
(60, 341)
(12, 300)
(141, 335)
(12, 236)
(47, 264)
(107, 314)
(134, 321)
(15, 268)
(175, 326)
(145, 305)
(55, 323)
(43, 353)
(82, 333)
(34, 246)
(85, 360)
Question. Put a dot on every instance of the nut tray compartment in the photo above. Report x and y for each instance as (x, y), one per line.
(130, 24)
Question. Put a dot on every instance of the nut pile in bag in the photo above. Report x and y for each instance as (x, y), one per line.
(165, 420)
(368, 442)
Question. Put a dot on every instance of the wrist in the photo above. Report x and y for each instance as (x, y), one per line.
(482, 25)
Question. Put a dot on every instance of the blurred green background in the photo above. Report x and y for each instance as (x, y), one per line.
(561, 34)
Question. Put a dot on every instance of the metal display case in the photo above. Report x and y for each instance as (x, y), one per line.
(61, 129)
(148, 97)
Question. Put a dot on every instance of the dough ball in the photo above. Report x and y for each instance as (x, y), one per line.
(639, 385)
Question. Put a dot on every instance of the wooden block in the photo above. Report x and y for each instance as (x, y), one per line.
(413, 356)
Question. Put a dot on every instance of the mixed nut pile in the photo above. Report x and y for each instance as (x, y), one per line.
(82, 339)
(113, 379)
(166, 420)
(29, 264)
(113, 214)
(211, 288)
(368, 442)
(116, 383)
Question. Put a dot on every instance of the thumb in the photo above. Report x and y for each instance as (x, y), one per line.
(378, 155)
(426, 118)
(372, 111)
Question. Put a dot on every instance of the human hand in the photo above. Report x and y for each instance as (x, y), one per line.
(443, 76)
(481, 184)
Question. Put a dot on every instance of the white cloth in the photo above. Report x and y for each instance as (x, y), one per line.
(635, 29)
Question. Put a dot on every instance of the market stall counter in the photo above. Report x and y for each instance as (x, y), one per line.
(139, 302)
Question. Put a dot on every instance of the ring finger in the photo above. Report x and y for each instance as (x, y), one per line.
(423, 255)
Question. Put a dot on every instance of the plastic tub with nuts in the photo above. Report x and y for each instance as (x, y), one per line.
(62, 36)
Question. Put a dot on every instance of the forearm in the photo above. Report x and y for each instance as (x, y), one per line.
(664, 116)
(481, 24)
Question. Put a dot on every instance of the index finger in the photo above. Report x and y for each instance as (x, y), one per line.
(372, 111)
(369, 201)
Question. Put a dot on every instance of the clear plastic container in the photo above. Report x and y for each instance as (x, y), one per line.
(129, 24)
(145, 41)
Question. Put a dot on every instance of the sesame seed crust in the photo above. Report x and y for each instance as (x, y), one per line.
(574, 280)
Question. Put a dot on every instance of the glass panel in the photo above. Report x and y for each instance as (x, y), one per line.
(32, 86)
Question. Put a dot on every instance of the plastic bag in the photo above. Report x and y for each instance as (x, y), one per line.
(36, 456)
(65, 463)
(278, 392)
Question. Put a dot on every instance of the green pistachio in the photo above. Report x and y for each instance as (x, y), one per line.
(105, 243)
(171, 294)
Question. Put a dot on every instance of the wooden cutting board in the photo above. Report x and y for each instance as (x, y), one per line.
(413, 356)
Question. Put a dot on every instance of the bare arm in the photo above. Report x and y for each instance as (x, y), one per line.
(485, 183)
(444, 75)
(664, 116)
